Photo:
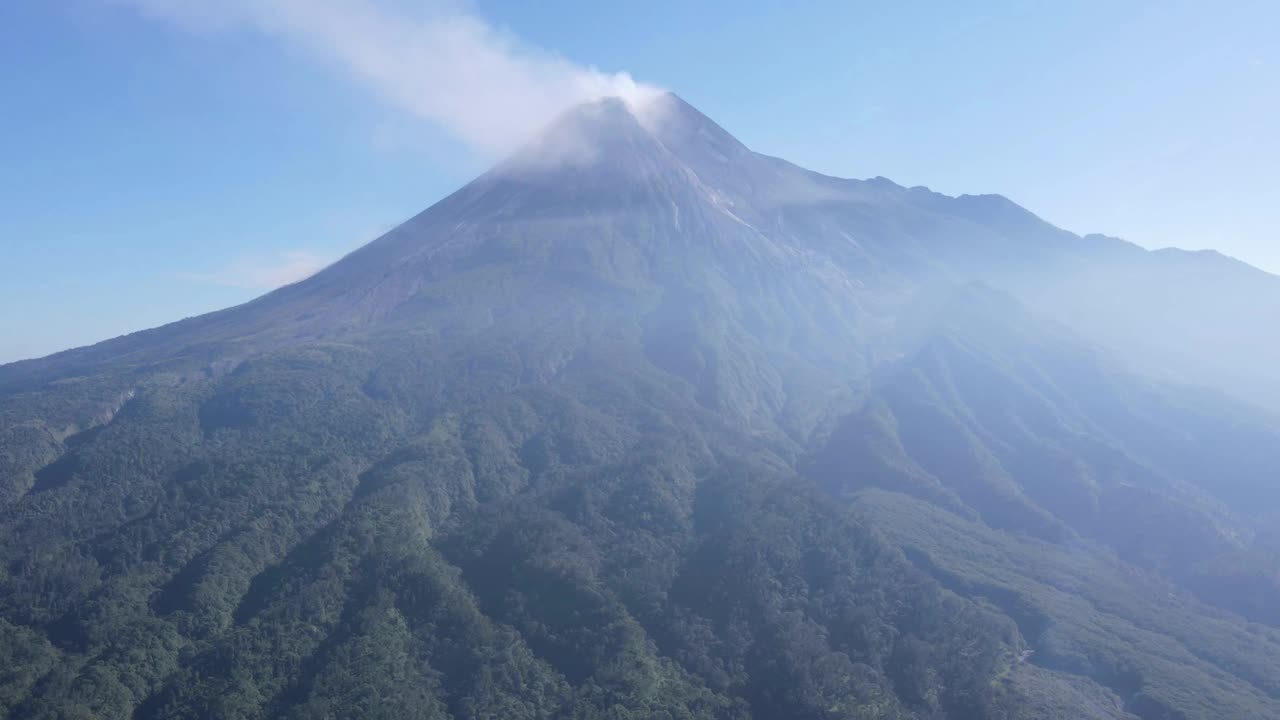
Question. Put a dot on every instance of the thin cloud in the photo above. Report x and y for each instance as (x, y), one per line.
(432, 59)
(266, 272)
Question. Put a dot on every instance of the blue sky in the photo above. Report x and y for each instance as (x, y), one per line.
(162, 158)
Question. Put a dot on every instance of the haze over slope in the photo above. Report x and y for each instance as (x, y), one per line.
(641, 423)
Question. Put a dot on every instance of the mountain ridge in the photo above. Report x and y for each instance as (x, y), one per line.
(648, 429)
(778, 184)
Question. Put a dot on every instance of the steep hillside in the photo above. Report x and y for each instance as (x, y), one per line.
(640, 424)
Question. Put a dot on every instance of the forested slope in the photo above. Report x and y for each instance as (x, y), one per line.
(669, 429)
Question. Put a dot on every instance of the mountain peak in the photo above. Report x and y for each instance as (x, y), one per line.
(604, 128)
(582, 135)
(687, 132)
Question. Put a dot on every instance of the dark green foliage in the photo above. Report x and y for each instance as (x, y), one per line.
(264, 558)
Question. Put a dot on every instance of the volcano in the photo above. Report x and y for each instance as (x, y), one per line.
(644, 424)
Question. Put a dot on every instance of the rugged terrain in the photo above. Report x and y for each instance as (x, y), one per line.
(643, 424)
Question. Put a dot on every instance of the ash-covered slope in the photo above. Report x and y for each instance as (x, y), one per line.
(647, 196)
(640, 423)
(598, 213)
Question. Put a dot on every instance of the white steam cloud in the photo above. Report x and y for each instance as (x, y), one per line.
(435, 60)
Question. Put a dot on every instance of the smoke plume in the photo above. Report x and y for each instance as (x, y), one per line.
(437, 61)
